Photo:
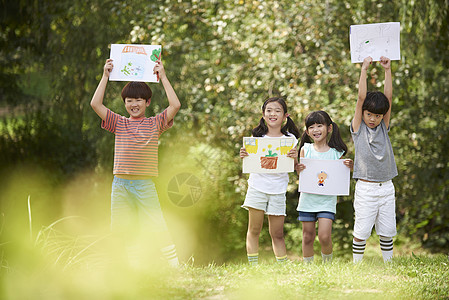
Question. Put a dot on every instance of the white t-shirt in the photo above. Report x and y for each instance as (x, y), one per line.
(272, 183)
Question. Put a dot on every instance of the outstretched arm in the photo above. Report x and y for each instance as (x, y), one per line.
(361, 94)
(97, 99)
(388, 87)
(173, 102)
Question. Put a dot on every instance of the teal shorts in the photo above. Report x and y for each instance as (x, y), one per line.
(135, 207)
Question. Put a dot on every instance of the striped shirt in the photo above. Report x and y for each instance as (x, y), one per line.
(136, 142)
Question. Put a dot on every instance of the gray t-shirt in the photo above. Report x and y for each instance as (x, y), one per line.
(374, 158)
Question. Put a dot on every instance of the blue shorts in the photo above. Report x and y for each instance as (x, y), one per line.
(314, 216)
(135, 207)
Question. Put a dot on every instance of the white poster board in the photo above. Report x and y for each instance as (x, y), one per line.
(324, 177)
(134, 62)
(268, 155)
(375, 40)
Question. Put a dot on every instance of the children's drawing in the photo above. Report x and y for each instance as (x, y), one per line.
(155, 55)
(251, 145)
(268, 155)
(375, 40)
(270, 160)
(321, 177)
(286, 145)
(324, 177)
(134, 62)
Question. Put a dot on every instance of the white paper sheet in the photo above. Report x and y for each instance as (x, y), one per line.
(268, 155)
(375, 40)
(134, 62)
(324, 177)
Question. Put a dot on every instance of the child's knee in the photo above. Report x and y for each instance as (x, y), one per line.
(254, 230)
(308, 237)
(325, 237)
(277, 234)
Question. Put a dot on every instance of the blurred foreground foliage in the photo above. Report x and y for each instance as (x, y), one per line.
(223, 59)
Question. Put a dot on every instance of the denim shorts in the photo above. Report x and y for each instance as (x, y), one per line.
(305, 216)
(135, 207)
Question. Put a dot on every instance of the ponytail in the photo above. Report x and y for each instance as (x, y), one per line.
(305, 138)
(290, 127)
(336, 141)
(261, 129)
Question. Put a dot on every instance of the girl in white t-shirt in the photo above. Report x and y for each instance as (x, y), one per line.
(321, 140)
(266, 192)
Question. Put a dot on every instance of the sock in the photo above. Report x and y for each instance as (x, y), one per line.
(386, 245)
(281, 259)
(169, 253)
(327, 258)
(358, 248)
(308, 260)
(253, 259)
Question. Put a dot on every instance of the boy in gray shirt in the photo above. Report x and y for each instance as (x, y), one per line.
(374, 165)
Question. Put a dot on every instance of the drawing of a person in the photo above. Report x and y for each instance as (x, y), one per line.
(321, 177)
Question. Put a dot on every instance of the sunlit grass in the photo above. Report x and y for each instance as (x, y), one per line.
(75, 257)
(64, 266)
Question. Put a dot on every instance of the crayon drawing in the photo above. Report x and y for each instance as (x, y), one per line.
(268, 155)
(321, 178)
(134, 62)
(375, 40)
(324, 177)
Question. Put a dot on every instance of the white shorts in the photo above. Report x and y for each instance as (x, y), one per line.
(374, 204)
(271, 204)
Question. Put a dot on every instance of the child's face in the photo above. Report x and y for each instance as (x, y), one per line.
(136, 107)
(372, 120)
(274, 114)
(318, 132)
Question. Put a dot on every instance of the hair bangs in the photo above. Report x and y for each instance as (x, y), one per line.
(376, 103)
(136, 90)
(316, 117)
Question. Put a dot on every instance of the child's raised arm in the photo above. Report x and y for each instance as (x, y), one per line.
(388, 86)
(173, 102)
(97, 99)
(361, 94)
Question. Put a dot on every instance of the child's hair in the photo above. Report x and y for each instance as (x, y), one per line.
(136, 90)
(321, 117)
(289, 127)
(376, 103)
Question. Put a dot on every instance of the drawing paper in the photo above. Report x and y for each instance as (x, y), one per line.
(324, 177)
(375, 40)
(134, 62)
(268, 155)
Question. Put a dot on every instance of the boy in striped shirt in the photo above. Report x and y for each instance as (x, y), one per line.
(135, 210)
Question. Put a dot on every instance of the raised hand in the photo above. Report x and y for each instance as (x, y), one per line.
(108, 66)
(366, 62)
(385, 62)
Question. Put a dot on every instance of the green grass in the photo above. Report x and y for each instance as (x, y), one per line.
(52, 264)
(58, 266)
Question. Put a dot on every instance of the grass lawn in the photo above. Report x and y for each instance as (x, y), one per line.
(32, 275)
